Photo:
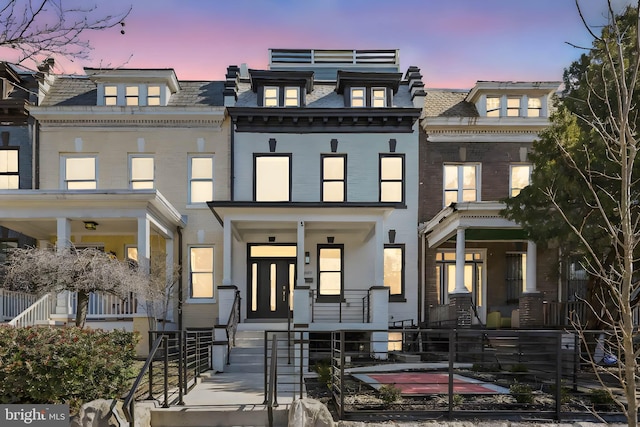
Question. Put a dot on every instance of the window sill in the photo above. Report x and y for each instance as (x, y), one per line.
(197, 206)
(200, 301)
(397, 299)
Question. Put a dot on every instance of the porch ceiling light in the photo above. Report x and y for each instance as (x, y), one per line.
(330, 239)
(90, 225)
(307, 257)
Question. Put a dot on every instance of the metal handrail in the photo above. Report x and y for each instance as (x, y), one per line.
(128, 405)
(272, 389)
(232, 325)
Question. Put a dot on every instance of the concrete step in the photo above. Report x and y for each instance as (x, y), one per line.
(219, 416)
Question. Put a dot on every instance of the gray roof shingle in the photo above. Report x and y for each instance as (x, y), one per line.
(448, 103)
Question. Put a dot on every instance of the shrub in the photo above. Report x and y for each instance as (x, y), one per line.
(601, 397)
(521, 392)
(64, 365)
(519, 367)
(323, 369)
(485, 367)
(389, 393)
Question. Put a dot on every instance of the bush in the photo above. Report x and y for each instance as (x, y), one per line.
(323, 369)
(521, 392)
(64, 365)
(601, 398)
(389, 393)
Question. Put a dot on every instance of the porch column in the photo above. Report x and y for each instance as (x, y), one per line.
(460, 248)
(301, 306)
(64, 309)
(144, 243)
(531, 277)
(171, 282)
(379, 256)
(380, 321)
(226, 252)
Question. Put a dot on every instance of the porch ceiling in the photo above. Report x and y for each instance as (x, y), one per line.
(481, 221)
(35, 212)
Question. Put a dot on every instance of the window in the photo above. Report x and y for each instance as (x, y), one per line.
(110, 95)
(333, 178)
(378, 97)
(79, 173)
(394, 270)
(200, 179)
(460, 184)
(271, 96)
(493, 106)
(391, 178)
(330, 271)
(6, 246)
(201, 271)
(272, 178)
(520, 178)
(131, 95)
(534, 107)
(358, 97)
(142, 172)
(292, 97)
(9, 177)
(153, 95)
(513, 107)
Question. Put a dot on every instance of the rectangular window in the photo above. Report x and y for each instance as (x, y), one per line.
(460, 183)
(292, 97)
(493, 106)
(9, 177)
(391, 177)
(111, 95)
(333, 177)
(200, 179)
(272, 175)
(153, 95)
(330, 270)
(201, 271)
(141, 169)
(520, 177)
(378, 97)
(394, 270)
(513, 107)
(534, 107)
(271, 95)
(131, 95)
(516, 276)
(80, 173)
(6, 246)
(358, 97)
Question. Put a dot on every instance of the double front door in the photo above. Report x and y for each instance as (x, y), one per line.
(271, 281)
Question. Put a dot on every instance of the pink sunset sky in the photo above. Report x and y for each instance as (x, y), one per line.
(454, 42)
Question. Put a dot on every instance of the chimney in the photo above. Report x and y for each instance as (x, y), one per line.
(416, 86)
(231, 86)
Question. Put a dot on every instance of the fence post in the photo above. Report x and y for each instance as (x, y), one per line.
(342, 358)
(452, 357)
(165, 344)
(150, 397)
(180, 367)
(266, 365)
(558, 374)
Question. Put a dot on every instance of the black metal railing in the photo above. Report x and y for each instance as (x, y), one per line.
(232, 325)
(352, 306)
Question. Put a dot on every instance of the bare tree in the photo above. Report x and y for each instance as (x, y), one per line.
(83, 271)
(160, 300)
(41, 28)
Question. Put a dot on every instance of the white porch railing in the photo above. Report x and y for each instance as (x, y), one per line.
(14, 303)
(39, 312)
(103, 305)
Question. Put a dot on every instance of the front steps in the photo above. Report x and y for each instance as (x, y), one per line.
(234, 397)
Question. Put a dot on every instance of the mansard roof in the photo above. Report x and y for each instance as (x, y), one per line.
(81, 91)
(448, 103)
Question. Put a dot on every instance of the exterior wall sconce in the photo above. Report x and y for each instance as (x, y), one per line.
(272, 145)
(330, 239)
(272, 239)
(334, 145)
(90, 225)
(307, 257)
(392, 145)
(392, 236)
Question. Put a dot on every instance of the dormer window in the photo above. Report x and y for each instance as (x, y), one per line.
(378, 97)
(513, 107)
(276, 96)
(534, 107)
(110, 95)
(291, 97)
(358, 98)
(153, 95)
(493, 106)
(271, 96)
(131, 95)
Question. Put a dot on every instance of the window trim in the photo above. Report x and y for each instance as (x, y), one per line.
(459, 189)
(131, 97)
(384, 97)
(401, 296)
(9, 173)
(190, 178)
(113, 97)
(64, 182)
(402, 180)
(363, 97)
(330, 298)
(285, 98)
(152, 180)
(533, 108)
(255, 176)
(498, 108)
(510, 109)
(277, 96)
(190, 297)
(343, 180)
(154, 97)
